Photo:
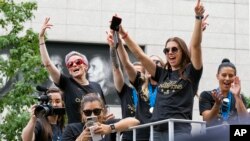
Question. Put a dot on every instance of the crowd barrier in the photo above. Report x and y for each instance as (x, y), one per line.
(170, 127)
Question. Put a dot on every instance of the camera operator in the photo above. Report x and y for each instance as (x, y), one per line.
(46, 127)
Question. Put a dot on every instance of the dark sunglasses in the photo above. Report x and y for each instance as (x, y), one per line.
(96, 112)
(77, 62)
(173, 50)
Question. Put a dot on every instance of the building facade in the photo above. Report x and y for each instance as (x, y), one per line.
(151, 23)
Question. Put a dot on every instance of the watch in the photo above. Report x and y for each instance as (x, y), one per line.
(112, 127)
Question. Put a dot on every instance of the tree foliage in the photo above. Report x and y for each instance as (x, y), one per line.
(247, 101)
(23, 66)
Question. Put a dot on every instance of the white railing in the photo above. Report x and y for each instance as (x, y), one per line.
(170, 127)
(223, 125)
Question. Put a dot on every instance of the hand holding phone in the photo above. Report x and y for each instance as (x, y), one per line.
(116, 21)
(91, 121)
(92, 124)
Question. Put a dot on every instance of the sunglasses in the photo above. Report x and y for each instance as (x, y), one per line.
(96, 112)
(173, 50)
(77, 62)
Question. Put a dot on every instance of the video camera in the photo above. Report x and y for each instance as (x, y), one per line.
(45, 108)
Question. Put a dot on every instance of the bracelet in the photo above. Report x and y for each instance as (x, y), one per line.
(199, 17)
(125, 36)
(41, 43)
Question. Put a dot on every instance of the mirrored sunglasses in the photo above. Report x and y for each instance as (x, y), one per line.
(96, 111)
(77, 62)
(173, 50)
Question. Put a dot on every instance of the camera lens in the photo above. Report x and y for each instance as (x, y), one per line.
(42, 110)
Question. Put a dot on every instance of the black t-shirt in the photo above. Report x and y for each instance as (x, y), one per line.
(206, 102)
(127, 108)
(127, 103)
(73, 93)
(175, 96)
(56, 132)
(143, 106)
(141, 112)
(73, 130)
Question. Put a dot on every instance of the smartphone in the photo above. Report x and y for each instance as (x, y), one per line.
(91, 121)
(92, 124)
(116, 21)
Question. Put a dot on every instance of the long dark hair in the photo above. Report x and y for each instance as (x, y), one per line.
(185, 59)
(46, 133)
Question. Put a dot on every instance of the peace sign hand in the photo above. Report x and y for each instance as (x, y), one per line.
(45, 25)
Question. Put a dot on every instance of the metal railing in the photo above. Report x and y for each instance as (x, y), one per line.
(170, 127)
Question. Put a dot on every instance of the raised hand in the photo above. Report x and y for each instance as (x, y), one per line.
(45, 25)
(236, 86)
(199, 9)
(110, 39)
(204, 23)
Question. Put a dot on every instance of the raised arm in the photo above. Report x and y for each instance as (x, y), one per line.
(239, 105)
(129, 67)
(116, 69)
(51, 68)
(195, 44)
(138, 52)
(28, 131)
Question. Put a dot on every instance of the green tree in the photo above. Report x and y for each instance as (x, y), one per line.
(247, 101)
(23, 66)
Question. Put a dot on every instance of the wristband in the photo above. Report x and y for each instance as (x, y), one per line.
(41, 44)
(199, 17)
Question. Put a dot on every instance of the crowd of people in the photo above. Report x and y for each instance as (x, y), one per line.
(156, 91)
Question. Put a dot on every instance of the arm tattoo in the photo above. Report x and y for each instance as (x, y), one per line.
(114, 58)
